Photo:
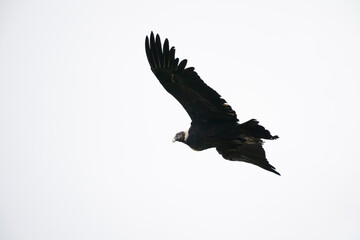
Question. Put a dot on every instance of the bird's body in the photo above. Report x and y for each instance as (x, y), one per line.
(209, 135)
(214, 123)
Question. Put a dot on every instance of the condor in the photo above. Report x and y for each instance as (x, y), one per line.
(214, 123)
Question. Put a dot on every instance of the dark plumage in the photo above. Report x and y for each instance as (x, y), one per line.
(214, 123)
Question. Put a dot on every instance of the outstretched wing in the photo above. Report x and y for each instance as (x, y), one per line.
(251, 152)
(201, 102)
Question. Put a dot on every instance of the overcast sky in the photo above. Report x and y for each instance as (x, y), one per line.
(86, 128)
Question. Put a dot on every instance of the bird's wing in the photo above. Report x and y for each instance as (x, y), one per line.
(201, 102)
(251, 153)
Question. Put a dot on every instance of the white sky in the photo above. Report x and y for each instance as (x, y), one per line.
(86, 129)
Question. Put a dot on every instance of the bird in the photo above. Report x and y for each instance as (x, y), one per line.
(214, 124)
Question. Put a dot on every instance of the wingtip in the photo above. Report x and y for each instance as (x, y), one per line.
(277, 173)
(166, 43)
(146, 42)
(273, 170)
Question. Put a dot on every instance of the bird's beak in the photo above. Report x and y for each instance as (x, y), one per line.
(174, 140)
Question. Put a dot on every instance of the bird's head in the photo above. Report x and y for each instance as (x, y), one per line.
(181, 137)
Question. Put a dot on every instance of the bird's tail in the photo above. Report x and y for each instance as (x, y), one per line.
(253, 129)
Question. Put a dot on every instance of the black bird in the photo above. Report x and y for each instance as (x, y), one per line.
(214, 123)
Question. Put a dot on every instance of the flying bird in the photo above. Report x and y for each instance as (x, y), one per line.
(213, 122)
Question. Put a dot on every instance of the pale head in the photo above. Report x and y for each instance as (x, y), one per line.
(181, 136)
